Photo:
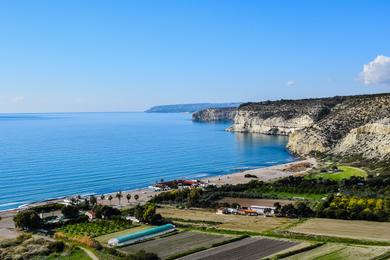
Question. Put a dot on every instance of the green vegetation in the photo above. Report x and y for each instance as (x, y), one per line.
(344, 172)
(352, 207)
(28, 247)
(71, 254)
(27, 219)
(97, 228)
(288, 195)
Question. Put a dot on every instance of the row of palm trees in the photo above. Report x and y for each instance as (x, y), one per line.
(119, 196)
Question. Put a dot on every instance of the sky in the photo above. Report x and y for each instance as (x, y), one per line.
(69, 55)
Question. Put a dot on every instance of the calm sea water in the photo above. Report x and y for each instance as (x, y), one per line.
(46, 156)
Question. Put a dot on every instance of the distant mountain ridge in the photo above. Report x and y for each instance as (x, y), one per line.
(190, 108)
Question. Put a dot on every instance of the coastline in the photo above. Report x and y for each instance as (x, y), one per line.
(263, 174)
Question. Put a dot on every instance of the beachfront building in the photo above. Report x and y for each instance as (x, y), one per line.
(178, 184)
(263, 210)
(141, 235)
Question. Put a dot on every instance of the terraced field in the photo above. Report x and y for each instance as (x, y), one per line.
(178, 243)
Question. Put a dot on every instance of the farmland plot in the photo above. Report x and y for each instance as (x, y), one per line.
(356, 229)
(340, 251)
(232, 222)
(175, 244)
(246, 249)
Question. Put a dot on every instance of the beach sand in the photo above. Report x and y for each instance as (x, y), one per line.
(263, 174)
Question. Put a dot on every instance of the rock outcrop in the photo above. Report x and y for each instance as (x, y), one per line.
(356, 126)
(280, 117)
(215, 114)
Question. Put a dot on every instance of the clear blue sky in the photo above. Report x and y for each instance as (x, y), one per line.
(128, 55)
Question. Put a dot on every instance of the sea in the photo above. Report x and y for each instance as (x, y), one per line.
(47, 156)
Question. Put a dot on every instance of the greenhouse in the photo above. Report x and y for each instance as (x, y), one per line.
(141, 235)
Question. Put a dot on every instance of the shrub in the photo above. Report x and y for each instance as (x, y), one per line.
(27, 219)
(56, 246)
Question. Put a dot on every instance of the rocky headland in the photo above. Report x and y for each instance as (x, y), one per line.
(348, 127)
(215, 114)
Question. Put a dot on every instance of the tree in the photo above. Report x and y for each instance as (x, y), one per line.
(277, 207)
(70, 212)
(102, 197)
(136, 197)
(93, 200)
(110, 198)
(149, 212)
(128, 197)
(193, 197)
(27, 219)
(106, 211)
(119, 197)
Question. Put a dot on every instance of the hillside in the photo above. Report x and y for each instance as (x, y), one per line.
(189, 108)
(349, 126)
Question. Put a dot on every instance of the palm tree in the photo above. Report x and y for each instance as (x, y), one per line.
(93, 200)
(110, 198)
(119, 197)
(128, 197)
(102, 197)
(136, 197)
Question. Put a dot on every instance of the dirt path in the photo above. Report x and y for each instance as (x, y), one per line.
(89, 253)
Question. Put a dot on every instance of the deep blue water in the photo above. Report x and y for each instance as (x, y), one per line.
(46, 156)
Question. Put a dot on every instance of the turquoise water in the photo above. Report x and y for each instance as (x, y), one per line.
(46, 156)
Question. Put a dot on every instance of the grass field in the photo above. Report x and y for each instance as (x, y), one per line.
(356, 229)
(176, 244)
(340, 251)
(248, 248)
(345, 173)
(104, 238)
(231, 222)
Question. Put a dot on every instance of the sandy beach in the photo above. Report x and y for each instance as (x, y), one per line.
(7, 229)
(263, 174)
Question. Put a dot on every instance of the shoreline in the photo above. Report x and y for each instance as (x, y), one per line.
(267, 173)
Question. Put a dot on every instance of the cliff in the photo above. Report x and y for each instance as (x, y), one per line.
(281, 117)
(215, 114)
(350, 126)
(359, 126)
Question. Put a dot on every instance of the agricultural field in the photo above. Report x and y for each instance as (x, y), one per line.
(341, 251)
(345, 172)
(248, 248)
(356, 229)
(104, 238)
(96, 228)
(177, 243)
(231, 222)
